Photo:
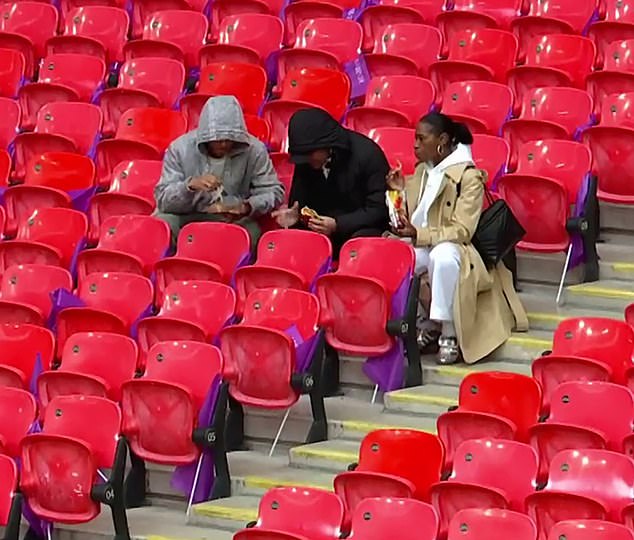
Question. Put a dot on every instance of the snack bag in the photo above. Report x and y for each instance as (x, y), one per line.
(395, 201)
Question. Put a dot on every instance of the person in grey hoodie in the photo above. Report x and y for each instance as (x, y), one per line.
(218, 172)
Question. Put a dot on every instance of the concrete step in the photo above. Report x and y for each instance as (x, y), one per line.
(453, 375)
(427, 400)
(331, 456)
(614, 295)
(229, 514)
(616, 217)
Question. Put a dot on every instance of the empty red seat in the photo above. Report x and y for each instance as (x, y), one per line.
(108, 302)
(582, 484)
(480, 524)
(25, 27)
(404, 49)
(615, 23)
(53, 179)
(12, 66)
(258, 127)
(408, 519)
(548, 113)
(375, 19)
(481, 479)
(553, 60)
(482, 105)
(10, 111)
(204, 251)
(128, 243)
(61, 466)
(247, 82)
(92, 364)
(19, 410)
(392, 101)
(469, 15)
(279, 264)
(176, 34)
(284, 509)
(98, 30)
(485, 54)
(24, 345)
(397, 144)
(297, 12)
(25, 292)
(247, 38)
(490, 154)
(489, 406)
(617, 75)
(49, 236)
(142, 10)
(221, 10)
(143, 133)
(590, 529)
(143, 82)
(310, 87)
(584, 415)
(131, 192)
(10, 500)
(5, 170)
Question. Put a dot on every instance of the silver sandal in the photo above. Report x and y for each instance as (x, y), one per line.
(428, 340)
(448, 352)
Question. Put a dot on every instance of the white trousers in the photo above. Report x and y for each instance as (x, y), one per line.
(442, 264)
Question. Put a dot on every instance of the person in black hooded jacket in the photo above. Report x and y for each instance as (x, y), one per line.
(340, 174)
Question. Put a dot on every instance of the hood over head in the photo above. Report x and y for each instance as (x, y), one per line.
(221, 120)
(314, 129)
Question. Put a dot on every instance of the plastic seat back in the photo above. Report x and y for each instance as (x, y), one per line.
(479, 14)
(83, 73)
(12, 66)
(297, 12)
(375, 19)
(339, 37)
(479, 524)
(390, 451)
(397, 145)
(23, 345)
(9, 475)
(587, 529)
(18, 414)
(10, 111)
(79, 122)
(616, 110)
(61, 170)
(408, 519)
(5, 169)
(490, 154)
(154, 127)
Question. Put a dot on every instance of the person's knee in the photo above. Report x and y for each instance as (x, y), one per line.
(366, 233)
(445, 257)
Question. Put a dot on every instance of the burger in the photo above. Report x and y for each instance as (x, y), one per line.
(306, 214)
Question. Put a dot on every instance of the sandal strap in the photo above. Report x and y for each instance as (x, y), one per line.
(428, 336)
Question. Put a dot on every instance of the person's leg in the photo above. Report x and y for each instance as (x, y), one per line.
(175, 222)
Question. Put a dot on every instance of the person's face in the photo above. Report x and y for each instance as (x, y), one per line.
(318, 158)
(219, 149)
(427, 143)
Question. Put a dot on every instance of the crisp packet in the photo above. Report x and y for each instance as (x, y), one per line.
(395, 200)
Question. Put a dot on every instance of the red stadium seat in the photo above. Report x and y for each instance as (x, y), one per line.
(5, 169)
(584, 415)
(128, 243)
(284, 509)
(98, 30)
(10, 499)
(49, 236)
(143, 133)
(19, 410)
(176, 34)
(258, 127)
(375, 19)
(221, 10)
(297, 12)
(616, 23)
(51, 180)
(553, 60)
(485, 54)
(407, 519)
(113, 302)
(404, 49)
(11, 72)
(25, 27)
(470, 15)
(25, 292)
(10, 112)
(279, 264)
(22, 343)
(192, 310)
(304, 88)
(204, 251)
(131, 192)
(397, 143)
(143, 82)
(582, 484)
(479, 524)
(489, 406)
(392, 101)
(92, 364)
(483, 106)
(481, 478)
(142, 10)
(589, 529)
(247, 82)
(490, 154)
(247, 38)
(60, 466)
(548, 113)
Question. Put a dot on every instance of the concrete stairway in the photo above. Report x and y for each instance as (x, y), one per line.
(351, 416)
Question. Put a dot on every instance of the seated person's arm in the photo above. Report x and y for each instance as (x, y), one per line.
(171, 193)
(266, 190)
(465, 217)
(373, 212)
(287, 216)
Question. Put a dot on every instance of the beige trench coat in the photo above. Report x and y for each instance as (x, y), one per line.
(486, 307)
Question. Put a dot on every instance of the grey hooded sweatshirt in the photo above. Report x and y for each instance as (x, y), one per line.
(247, 173)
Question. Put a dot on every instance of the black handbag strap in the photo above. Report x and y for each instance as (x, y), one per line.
(487, 193)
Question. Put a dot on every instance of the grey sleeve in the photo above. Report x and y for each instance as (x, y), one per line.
(266, 190)
(171, 193)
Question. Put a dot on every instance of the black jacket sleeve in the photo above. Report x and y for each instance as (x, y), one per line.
(297, 195)
(373, 212)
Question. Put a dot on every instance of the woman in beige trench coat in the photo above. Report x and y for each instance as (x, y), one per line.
(473, 310)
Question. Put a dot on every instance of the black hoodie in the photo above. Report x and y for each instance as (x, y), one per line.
(354, 191)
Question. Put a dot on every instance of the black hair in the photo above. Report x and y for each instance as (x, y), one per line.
(441, 123)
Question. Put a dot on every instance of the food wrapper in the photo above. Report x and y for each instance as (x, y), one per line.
(306, 214)
(395, 201)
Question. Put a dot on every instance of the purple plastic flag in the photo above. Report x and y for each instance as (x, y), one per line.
(80, 198)
(357, 71)
(184, 475)
(134, 328)
(578, 255)
(325, 268)
(304, 349)
(244, 261)
(61, 299)
(388, 370)
(37, 370)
